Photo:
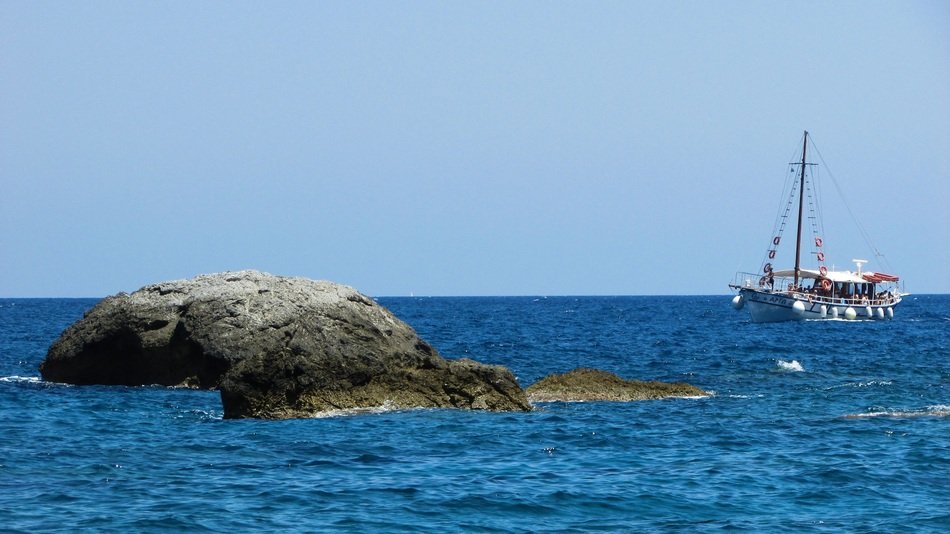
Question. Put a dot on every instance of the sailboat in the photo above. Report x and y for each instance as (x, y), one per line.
(815, 292)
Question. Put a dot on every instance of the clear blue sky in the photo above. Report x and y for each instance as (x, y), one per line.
(461, 148)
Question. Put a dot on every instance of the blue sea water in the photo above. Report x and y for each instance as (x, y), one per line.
(817, 426)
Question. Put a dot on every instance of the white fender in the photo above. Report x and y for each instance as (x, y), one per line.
(799, 307)
(738, 302)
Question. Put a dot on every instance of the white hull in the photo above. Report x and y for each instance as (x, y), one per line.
(768, 307)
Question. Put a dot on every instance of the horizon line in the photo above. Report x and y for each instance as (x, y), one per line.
(566, 295)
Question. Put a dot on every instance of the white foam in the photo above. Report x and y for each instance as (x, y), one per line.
(385, 407)
(868, 384)
(207, 415)
(941, 410)
(938, 410)
(792, 366)
(15, 378)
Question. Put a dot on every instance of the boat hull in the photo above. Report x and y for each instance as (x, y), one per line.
(770, 307)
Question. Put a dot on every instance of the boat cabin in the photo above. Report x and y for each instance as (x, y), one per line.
(833, 287)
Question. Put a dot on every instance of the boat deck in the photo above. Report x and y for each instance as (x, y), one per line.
(785, 287)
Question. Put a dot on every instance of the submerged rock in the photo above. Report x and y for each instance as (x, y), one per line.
(275, 346)
(596, 385)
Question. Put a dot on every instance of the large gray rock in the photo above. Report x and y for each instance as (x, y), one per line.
(276, 347)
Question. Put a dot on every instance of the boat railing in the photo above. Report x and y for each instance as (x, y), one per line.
(748, 280)
(785, 286)
(761, 283)
(812, 296)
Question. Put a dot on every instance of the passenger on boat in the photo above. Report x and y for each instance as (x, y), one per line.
(844, 295)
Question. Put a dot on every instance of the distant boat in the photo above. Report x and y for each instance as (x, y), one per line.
(812, 293)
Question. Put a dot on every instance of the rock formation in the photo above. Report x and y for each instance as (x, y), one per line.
(275, 346)
(596, 385)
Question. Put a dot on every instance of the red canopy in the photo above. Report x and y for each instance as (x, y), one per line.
(879, 277)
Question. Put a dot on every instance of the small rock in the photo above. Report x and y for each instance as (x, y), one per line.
(596, 385)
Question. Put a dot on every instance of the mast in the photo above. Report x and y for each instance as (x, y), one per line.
(801, 207)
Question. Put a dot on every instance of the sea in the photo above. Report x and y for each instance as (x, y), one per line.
(825, 426)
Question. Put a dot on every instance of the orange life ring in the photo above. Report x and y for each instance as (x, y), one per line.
(818, 241)
(823, 270)
(826, 284)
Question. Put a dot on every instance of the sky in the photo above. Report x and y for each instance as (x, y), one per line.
(463, 148)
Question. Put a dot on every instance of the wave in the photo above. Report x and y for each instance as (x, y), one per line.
(385, 407)
(937, 410)
(201, 415)
(868, 384)
(22, 379)
(792, 366)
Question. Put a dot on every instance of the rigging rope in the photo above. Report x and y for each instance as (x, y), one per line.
(819, 213)
(812, 183)
(787, 199)
(778, 229)
(864, 234)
